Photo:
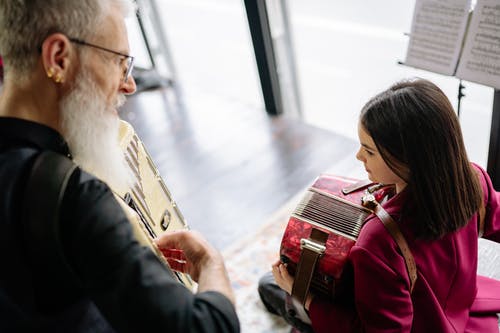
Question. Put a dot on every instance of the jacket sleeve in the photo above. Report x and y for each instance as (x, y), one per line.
(127, 282)
(492, 203)
(381, 293)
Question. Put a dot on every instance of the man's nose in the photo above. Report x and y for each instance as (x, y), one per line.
(129, 87)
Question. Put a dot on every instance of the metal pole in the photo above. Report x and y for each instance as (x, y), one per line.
(292, 64)
(258, 21)
(494, 150)
(145, 38)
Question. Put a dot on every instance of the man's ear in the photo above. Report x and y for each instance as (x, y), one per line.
(57, 57)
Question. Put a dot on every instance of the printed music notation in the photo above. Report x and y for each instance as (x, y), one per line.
(480, 61)
(436, 36)
(448, 38)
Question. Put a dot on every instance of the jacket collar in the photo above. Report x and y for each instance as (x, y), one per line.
(21, 132)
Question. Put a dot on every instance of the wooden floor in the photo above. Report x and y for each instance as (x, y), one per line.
(229, 166)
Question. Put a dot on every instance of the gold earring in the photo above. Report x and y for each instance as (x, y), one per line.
(50, 72)
(58, 78)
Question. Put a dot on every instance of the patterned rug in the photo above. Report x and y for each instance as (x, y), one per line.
(247, 261)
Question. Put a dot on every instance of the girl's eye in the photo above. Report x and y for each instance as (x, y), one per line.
(370, 153)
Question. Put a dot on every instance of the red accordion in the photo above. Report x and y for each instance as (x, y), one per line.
(321, 231)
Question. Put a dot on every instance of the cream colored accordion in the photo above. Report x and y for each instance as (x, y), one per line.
(148, 203)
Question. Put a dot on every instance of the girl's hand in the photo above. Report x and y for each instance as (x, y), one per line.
(282, 277)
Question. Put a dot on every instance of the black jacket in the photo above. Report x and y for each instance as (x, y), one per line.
(118, 285)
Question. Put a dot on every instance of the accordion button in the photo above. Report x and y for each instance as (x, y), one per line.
(165, 222)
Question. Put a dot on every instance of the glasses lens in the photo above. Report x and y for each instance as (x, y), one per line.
(130, 65)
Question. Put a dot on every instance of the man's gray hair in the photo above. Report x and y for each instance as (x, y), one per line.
(25, 24)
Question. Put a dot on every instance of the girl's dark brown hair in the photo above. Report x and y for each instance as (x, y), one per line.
(416, 129)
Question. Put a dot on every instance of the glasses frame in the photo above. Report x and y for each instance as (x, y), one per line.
(130, 59)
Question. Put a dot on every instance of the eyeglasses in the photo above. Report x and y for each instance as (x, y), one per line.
(129, 59)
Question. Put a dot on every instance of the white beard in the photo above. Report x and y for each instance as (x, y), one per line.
(90, 127)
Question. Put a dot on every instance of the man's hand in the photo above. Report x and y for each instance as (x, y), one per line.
(188, 252)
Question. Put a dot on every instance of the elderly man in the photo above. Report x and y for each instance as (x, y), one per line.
(67, 69)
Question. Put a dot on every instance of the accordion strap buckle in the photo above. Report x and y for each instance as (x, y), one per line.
(312, 245)
(369, 201)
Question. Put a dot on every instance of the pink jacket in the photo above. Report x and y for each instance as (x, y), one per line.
(448, 295)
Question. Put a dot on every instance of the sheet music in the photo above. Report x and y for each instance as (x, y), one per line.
(437, 32)
(480, 61)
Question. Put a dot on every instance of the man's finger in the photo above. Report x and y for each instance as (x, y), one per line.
(179, 266)
(173, 254)
(170, 239)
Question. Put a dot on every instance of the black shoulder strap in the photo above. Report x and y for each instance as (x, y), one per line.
(42, 200)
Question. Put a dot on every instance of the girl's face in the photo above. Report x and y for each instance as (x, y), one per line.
(378, 171)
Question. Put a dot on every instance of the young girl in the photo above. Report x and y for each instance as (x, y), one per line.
(410, 137)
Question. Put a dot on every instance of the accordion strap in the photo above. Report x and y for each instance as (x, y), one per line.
(393, 229)
(311, 251)
(359, 185)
